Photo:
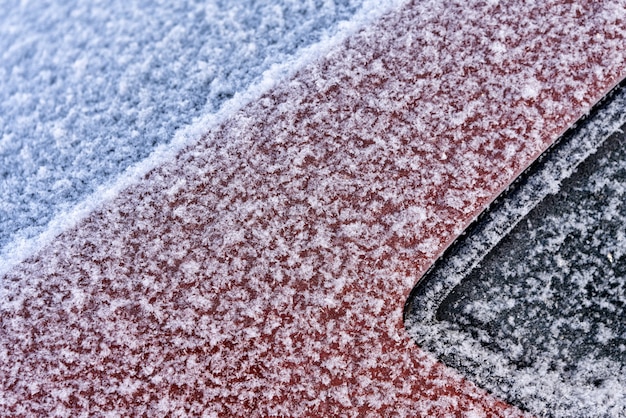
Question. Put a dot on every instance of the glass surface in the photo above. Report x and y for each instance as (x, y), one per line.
(553, 290)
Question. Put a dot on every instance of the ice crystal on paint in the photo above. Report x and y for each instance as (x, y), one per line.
(88, 89)
(531, 303)
(271, 281)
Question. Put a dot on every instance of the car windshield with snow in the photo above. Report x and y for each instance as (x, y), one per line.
(531, 302)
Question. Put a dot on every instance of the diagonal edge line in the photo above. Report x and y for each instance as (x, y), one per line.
(525, 192)
(560, 161)
(20, 248)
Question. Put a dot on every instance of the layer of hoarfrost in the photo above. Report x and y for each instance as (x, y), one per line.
(88, 89)
(522, 198)
(262, 272)
(553, 293)
(539, 285)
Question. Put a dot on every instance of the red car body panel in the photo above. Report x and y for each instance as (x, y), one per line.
(264, 270)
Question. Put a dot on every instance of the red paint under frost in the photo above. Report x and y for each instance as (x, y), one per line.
(265, 270)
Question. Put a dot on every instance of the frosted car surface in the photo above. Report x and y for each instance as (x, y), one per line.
(531, 303)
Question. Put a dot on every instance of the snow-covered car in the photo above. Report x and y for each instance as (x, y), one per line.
(530, 300)
(220, 208)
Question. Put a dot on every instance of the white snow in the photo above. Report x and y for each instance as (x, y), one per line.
(252, 250)
(562, 275)
(96, 95)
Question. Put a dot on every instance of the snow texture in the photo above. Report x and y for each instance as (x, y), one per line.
(531, 304)
(263, 270)
(89, 90)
